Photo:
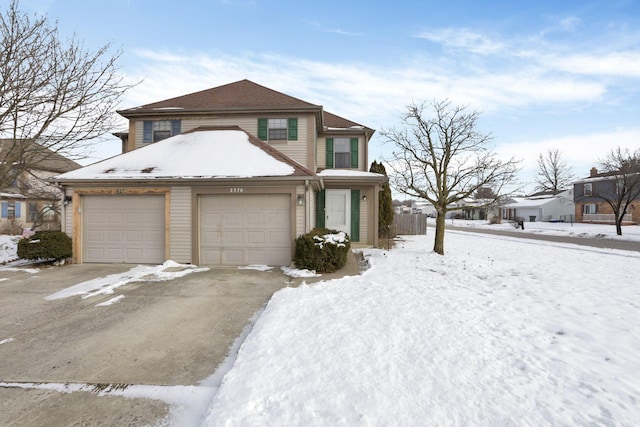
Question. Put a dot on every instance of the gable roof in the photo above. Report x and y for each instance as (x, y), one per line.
(334, 122)
(202, 153)
(238, 96)
(38, 157)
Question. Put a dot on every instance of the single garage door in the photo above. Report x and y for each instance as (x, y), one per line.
(245, 229)
(123, 229)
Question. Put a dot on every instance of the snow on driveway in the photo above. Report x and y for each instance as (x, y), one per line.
(105, 285)
(497, 332)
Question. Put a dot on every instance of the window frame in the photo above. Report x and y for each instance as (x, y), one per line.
(345, 155)
(11, 210)
(589, 207)
(588, 189)
(275, 129)
(32, 211)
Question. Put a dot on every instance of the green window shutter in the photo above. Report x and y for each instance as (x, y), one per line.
(175, 127)
(320, 203)
(355, 215)
(354, 153)
(329, 153)
(292, 127)
(147, 134)
(263, 129)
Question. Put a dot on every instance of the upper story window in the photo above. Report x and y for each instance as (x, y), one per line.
(279, 129)
(342, 153)
(588, 189)
(157, 130)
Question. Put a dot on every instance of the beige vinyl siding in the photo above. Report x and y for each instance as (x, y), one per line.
(364, 222)
(300, 212)
(321, 153)
(180, 232)
(297, 150)
(67, 225)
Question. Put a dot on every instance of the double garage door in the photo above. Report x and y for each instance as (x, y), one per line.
(245, 229)
(123, 229)
(238, 229)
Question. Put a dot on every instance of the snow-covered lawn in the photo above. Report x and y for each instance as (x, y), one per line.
(499, 332)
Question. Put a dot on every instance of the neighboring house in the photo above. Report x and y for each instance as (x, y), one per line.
(591, 208)
(31, 194)
(545, 207)
(226, 176)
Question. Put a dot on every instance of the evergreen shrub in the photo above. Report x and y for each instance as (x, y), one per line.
(45, 245)
(322, 250)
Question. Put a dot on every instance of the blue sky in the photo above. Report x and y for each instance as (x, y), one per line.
(544, 74)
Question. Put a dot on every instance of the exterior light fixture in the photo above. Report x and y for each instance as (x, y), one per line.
(300, 200)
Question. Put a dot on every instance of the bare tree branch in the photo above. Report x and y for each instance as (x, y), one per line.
(444, 159)
(553, 172)
(619, 182)
(56, 96)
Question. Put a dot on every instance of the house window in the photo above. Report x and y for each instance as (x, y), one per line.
(161, 130)
(154, 131)
(589, 209)
(49, 213)
(10, 210)
(619, 185)
(33, 212)
(277, 129)
(588, 189)
(342, 152)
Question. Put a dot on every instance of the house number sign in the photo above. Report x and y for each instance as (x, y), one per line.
(236, 190)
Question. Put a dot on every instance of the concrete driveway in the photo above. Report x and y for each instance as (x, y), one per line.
(172, 333)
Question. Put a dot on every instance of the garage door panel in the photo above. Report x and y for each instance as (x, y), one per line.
(128, 229)
(256, 237)
(249, 229)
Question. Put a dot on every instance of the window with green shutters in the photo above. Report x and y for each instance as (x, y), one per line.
(342, 153)
(157, 130)
(278, 129)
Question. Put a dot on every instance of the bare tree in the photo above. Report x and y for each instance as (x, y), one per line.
(445, 159)
(55, 95)
(553, 172)
(620, 183)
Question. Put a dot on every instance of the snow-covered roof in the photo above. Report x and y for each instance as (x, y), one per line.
(347, 173)
(12, 196)
(528, 203)
(202, 153)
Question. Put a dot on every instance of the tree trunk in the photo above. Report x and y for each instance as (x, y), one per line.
(438, 245)
(619, 225)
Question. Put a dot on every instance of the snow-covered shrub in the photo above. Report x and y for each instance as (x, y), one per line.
(45, 245)
(322, 250)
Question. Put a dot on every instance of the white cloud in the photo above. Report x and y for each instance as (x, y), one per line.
(622, 64)
(462, 38)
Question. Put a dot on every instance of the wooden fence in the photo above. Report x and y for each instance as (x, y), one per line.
(410, 224)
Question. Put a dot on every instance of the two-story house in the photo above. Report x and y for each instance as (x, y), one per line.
(591, 193)
(226, 176)
(29, 197)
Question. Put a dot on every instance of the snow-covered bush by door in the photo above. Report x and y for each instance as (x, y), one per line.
(45, 245)
(322, 250)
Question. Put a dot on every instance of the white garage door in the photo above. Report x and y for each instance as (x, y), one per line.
(123, 229)
(245, 229)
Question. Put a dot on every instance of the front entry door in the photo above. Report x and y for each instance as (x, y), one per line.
(338, 210)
